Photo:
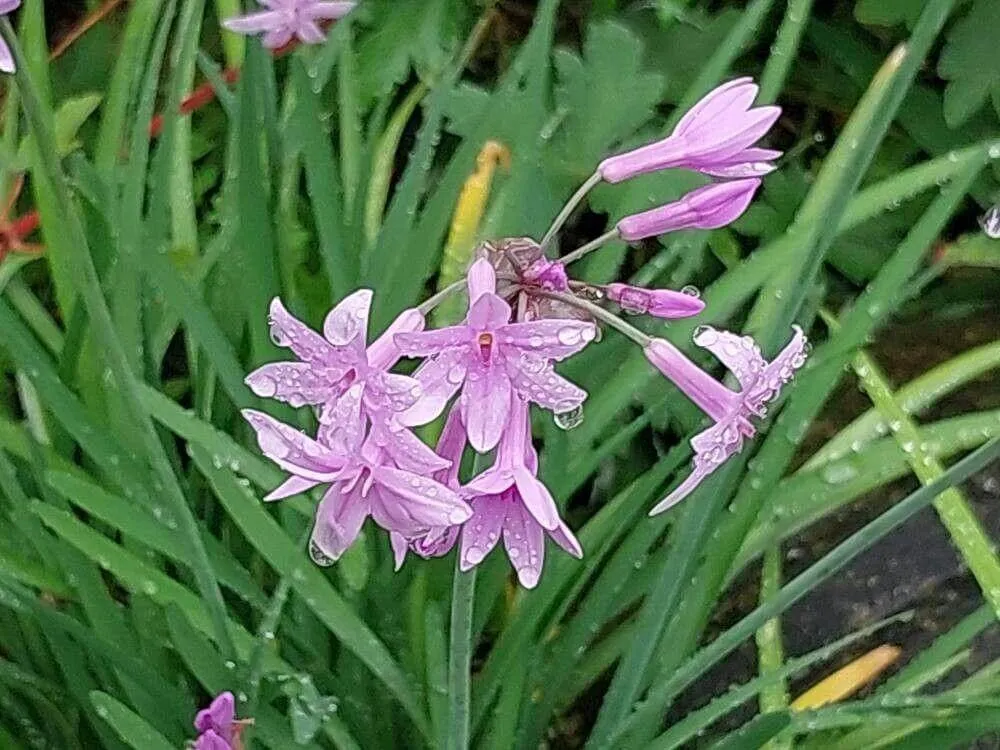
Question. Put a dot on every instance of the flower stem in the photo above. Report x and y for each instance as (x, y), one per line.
(598, 312)
(460, 662)
(570, 206)
(589, 247)
(431, 302)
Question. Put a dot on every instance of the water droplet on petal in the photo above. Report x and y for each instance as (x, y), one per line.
(705, 335)
(567, 420)
(569, 336)
(318, 556)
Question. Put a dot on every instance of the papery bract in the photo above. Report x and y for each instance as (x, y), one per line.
(714, 137)
(492, 359)
(284, 20)
(708, 207)
(6, 58)
(509, 499)
(759, 382)
(363, 482)
(660, 303)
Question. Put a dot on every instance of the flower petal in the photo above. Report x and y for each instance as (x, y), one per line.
(388, 391)
(211, 741)
(739, 92)
(347, 323)
(342, 425)
(485, 404)
(554, 339)
(8, 6)
(408, 451)
(399, 548)
(481, 279)
(537, 499)
(481, 533)
(428, 343)
(439, 377)
(218, 716)
(309, 32)
(6, 58)
(254, 23)
(426, 502)
(740, 354)
(525, 543)
(295, 383)
(384, 352)
(292, 486)
(293, 450)
(339, 518)
(451, 446)
(565, 538)
(493, 481)
(328, 11)
(288, 331)
(536, 380)
(277, 38)
(488, 313)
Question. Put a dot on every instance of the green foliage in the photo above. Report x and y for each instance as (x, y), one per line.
(140, 572)
(969, 63)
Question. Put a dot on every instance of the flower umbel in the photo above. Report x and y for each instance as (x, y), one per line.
(759, 381)
(525, 314)
(284, 19)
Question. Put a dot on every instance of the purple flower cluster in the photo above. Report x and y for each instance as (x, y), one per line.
(524, 315)
(217, 726)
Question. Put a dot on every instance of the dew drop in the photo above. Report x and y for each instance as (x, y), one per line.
(691, 291)
(569, 336)
(318, 556)
(567, 420)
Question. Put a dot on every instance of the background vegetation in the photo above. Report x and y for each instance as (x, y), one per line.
(139, 571)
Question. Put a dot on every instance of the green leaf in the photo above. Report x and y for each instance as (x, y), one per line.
(599, 110)
(130, 727)
(888, 12)
(421, 33)
(970, 63)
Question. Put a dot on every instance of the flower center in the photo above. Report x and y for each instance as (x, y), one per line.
(485, 342)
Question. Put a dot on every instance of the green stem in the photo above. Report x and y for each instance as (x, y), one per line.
(770, 649)
(460, 664)
(600, 313)
(589, 247)
(164, 480)
(568, 209)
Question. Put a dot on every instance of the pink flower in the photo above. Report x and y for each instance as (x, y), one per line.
(437, 541)
(714, 137)
(6, 58)
(285, 19)
(508, 499)
(759, 382)
(660, 303)
(352, 385)
(708, 207)
(491, 358)
(217, 725)
(363, 482)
